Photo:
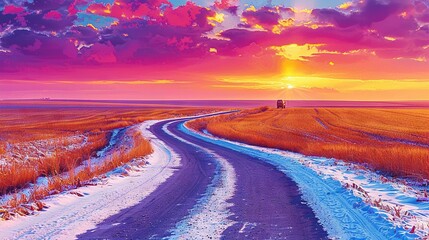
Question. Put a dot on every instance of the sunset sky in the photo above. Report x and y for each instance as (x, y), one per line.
(223, 49)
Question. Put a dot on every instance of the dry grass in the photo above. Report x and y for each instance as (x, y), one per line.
(391, 140)
(16, 175)
(22, 127)
(2, 148)
(59, 183)
(141, 147)
(63, 161)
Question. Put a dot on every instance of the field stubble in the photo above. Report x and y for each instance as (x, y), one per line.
(395, 141)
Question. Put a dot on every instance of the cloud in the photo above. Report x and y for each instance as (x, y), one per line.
(149, 32)
(12, 9)
(126, 82)
(264, 17)
(38, 45)
(299, 52)
(227, 5)
(53, 15)
(367, 12)
(47, 5)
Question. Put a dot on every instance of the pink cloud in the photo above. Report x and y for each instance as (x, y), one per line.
(12, 9)
(52, 15)
(227, 5)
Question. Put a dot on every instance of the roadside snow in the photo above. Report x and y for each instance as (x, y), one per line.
(386, 194)
(209, 217)
(70, 215)
(344, 213)
(31, 151)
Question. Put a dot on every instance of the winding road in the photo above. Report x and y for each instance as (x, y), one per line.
(215, 193)
(197, 186)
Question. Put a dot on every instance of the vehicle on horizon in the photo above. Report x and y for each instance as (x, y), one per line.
(281, 104)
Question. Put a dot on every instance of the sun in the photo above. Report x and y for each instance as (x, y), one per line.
(288, 86)
(286, 83)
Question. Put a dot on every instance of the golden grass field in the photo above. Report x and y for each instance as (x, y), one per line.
(20, 127)
(395, 141)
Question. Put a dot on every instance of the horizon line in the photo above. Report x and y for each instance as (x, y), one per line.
(273, 99)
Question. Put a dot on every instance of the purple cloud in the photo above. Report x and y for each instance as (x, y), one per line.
(369, 12)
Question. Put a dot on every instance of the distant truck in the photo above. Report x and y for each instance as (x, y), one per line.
(281, 104)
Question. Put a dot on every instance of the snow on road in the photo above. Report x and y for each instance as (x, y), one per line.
(209, 218)
(343, 213)
(69, 215)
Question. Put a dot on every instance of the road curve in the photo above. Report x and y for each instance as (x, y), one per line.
(241, 196)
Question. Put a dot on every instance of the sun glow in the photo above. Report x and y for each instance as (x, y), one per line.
(298, 52)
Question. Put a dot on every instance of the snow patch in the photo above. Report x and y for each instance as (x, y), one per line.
(209, 217)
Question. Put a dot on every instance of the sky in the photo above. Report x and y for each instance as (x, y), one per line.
(215, 49)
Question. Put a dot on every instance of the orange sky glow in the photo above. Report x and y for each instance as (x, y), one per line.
(131, 49)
